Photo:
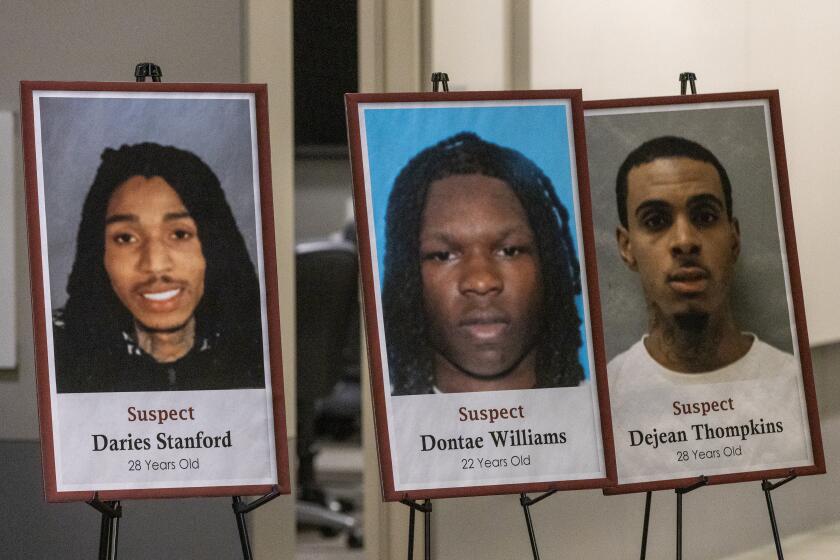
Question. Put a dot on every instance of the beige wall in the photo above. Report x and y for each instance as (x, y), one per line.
(626, 49)
(470, 40)
(634, 49)
(196, 40)
(90, 40)
(268, 59)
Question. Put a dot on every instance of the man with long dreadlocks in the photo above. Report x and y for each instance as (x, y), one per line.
(162, 295)
(480, 274)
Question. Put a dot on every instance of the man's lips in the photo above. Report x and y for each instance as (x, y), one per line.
(162, 296)
(485, 326)
(689, 280)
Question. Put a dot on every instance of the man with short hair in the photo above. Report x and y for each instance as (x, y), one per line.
(678, 232)
(480, 274)
(162, 294)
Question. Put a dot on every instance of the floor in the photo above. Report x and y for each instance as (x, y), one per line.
(822, 543)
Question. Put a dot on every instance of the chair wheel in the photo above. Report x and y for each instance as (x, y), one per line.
(355, 540)
(328, 531)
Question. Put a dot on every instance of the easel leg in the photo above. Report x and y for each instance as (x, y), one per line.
(411, 521)
(109, 526)
(427, 527)
(680, 491)
(646, 525)
(526, 507)
(775, 528)
(768, 487)
(108, 533)
(244, 540)
(679, 525)
(240, 508)
(426, 508)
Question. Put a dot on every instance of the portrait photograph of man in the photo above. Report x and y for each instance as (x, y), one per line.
(704, 356)
(477, 266)
(151, 314)
(162, 294)
(478, 291)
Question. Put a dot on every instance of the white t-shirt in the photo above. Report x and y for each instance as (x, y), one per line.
(747, 416)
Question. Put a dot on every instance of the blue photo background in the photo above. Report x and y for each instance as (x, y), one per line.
(395, 134)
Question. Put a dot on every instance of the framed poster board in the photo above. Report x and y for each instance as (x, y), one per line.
(708, 359)
(156, 320)
(480, 293)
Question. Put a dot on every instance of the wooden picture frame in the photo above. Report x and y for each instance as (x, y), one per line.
(442, 435)
(673, 426)
(151, 226)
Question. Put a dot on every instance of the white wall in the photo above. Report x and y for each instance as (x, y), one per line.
(637, 49)
(470, 40)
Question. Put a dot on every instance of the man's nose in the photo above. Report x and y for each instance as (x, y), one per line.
(480, 275)
(685, 239)
(155, 256)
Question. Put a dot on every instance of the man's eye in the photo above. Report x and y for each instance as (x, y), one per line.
(656, 222)
(182, 234)
(705, 217)
(124, 238)
(439, 256)
(512, 251)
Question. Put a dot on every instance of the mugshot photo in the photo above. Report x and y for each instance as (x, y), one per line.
(151, 250)
(473, 249)
(476, 243)
(150, 209)
(697, 296)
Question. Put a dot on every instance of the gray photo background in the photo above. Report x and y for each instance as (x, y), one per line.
(75, 131)
(738, 137)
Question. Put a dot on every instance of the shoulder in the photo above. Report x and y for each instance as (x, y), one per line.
(634, 356)
(773, 360)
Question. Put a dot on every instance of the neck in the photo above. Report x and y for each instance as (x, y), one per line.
(167, 346)
(695, 343)
(451, 379)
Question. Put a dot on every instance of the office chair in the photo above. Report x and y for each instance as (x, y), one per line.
(327, 277)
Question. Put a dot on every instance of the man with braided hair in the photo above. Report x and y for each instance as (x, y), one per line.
(480, 274)
(162, 294)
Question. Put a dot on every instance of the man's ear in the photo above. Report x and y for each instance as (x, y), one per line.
(623, 239)
(736, 238)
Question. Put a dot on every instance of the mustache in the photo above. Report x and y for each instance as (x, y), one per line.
(689, 269)
(158, 283)
(483, 317)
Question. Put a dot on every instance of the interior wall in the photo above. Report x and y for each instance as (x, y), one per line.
(616, 49)
(471, 41)
(611, 50)
(96, 41)
(267, 59)
(196, 40)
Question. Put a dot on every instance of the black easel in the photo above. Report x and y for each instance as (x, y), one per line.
(688, 79)
(240, 508)
(109, 526)
(438, 78)
(147, 70)
(768, 487)
(702, 481)
(426, 508)
(526, 504)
